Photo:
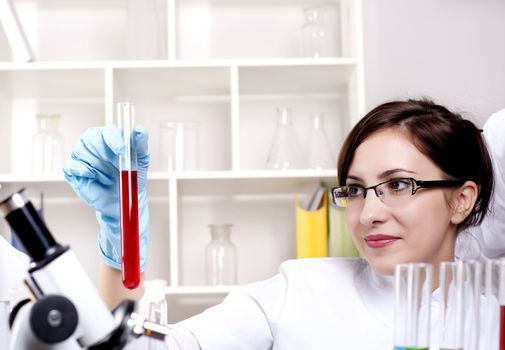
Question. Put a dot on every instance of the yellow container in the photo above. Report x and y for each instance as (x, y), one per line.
(312, 231)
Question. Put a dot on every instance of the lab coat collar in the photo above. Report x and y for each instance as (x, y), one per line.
(377, 293)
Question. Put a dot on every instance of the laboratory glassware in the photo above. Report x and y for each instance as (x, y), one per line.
(318, 154)
(153, 306)
(313, 41)
(284, 151)
(47, 145)
(221, 257)
(145, 29)
(453, 302)
(412, 306)
(178, 146)
(128, 195)
(493, 309)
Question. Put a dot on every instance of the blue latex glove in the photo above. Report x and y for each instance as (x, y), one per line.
(92, 171)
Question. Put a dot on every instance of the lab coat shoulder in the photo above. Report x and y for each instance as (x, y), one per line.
(299, 307)
(490, 234)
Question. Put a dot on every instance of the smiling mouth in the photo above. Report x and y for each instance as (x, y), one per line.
(380, 241)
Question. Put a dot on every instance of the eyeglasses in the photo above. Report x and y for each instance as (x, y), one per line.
(395, 192)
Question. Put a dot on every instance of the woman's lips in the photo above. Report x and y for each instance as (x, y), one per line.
(380, 241)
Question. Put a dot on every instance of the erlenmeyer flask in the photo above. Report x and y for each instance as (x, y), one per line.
(318, 153)
(284, 150)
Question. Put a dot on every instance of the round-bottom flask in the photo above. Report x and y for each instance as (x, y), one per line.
(221, 257)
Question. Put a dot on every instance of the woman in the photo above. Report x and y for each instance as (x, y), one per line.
(394, 214)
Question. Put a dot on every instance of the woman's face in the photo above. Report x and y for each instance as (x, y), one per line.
(385, 235)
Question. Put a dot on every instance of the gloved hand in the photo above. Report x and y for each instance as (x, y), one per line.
(92, 171)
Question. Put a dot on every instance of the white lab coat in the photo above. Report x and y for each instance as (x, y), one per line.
(333, 303)
(13, 267)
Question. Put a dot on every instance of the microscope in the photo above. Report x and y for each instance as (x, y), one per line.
(65, 311)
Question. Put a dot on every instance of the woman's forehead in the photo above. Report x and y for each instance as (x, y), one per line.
(390, 149)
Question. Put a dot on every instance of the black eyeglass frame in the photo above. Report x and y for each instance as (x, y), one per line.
(416, 184)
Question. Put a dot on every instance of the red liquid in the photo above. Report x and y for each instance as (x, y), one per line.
(502, 327)
(130, 247)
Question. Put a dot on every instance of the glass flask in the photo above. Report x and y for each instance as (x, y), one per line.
(153, 306)
(284, 151)
(318, 153)
(178, 146)
(47, 145)
(313, 33)
(221, 257)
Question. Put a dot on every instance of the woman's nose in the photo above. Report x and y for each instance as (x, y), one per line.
(373, 210)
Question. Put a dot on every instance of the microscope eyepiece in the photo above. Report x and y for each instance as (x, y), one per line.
(30, 229)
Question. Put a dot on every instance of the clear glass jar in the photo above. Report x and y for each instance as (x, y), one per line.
(284, 151)
(313, 41)
(318, 154)
(153, 306)
(47, 145)
(221, 257)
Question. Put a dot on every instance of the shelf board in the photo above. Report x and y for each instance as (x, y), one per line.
(196, 183)
(256, 62)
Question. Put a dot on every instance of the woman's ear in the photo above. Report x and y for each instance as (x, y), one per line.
(463, 201)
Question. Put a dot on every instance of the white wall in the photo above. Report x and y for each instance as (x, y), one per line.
(450, 50)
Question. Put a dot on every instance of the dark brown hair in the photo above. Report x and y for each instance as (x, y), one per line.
(453, 143)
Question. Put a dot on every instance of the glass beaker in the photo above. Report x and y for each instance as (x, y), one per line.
(412, 305)
(153, 306)
(313, 41)
(47, 145)
(318, 153)
(179, 146)
(221, 257)
(284, 150)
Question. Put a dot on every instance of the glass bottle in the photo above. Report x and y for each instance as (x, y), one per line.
(318, 153)
(47, 143)
(284, 150)
(153, 306)
(221, 257)
(313, 33)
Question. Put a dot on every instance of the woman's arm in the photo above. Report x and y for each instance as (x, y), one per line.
(111, 288)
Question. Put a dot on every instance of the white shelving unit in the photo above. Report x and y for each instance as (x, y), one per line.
(225, 64)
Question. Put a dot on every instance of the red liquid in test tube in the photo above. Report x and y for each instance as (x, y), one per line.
(130, 248)
(502, 327)
(128, 200)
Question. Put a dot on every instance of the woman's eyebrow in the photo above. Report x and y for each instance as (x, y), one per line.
(383, 175)
(390, 172)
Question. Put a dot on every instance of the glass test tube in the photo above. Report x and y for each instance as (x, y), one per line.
(128, 198)
(412, 306)
(452, 305)
(498, 271)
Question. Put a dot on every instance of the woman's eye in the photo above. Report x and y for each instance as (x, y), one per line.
(354, 191)
(399, 185)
